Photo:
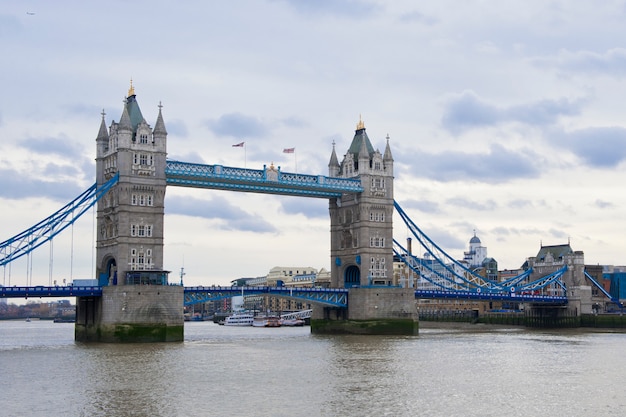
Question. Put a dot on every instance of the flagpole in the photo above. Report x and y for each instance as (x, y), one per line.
(295, 158)
(245, 157)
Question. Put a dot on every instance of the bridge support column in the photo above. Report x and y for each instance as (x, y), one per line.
(131, 313)
(376, 310)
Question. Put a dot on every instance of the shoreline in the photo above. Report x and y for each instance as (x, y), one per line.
(486, 327)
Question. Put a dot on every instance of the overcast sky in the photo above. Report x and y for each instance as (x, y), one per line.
(504, 117)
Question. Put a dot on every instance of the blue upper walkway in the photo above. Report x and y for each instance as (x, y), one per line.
(268, 180)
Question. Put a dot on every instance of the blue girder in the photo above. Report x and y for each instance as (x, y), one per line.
(30, 239)
(40, 291)
(219, 177)
(504, 296)
(602, 290)
(335, 297)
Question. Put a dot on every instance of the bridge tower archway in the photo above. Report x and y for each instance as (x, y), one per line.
(352, 276)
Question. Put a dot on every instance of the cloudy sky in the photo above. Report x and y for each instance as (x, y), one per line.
(507, 118)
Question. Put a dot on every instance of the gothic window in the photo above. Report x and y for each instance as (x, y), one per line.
(377, 166)
(149, 230)
(135, 159)
(133, 200)
(377, 216)
(143, 138)
(143, 159)
(149, 200)
(133, 230)
(141, 231)
(142, 200)
(378, 183)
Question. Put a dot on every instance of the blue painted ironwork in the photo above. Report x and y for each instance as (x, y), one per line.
(445, 274)
(510, 296)
(602, 290)
(335, 297)
(267, 180)
(30, 239)
(41, 291)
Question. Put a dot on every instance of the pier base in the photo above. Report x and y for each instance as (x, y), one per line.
(372, 311)
(131, 313)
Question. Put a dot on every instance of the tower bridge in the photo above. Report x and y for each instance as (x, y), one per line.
(132, 174)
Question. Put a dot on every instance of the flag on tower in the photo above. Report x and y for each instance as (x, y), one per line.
(289, 150)
(239, 145)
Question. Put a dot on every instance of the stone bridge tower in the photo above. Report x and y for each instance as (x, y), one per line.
(361, 249)
(361, 224)
(137, 303)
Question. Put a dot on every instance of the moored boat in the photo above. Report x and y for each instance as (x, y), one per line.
(266, 321)
(240, 318)
(291, 322)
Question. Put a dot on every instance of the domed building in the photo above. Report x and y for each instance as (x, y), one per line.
(476, 254)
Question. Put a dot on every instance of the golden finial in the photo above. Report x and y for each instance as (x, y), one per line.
(360, 125)
(131, 90)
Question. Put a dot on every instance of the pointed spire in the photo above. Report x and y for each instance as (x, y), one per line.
(131, 90)
(159, 127)
(387, 156)
(360, 125)
(103, 133)
(125, 120)
(333, 165)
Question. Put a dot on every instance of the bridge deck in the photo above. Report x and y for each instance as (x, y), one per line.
(480, 296)
(336, 297)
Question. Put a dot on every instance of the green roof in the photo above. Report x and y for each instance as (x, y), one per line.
(355, 146)
(557, 251)
(134, 112)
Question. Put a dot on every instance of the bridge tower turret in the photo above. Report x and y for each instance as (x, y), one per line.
(361, 224)
(137, 303)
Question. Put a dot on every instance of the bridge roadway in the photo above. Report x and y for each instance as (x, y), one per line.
(335, 297)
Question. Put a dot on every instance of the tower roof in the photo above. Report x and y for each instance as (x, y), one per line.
(134, 112)
(557, 251)
(360, 138)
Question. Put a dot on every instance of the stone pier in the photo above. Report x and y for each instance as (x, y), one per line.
(382, 310)
(131, 313)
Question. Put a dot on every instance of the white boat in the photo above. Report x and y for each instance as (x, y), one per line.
(239, 319)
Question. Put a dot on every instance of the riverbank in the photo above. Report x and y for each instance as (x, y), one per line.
(487, 327)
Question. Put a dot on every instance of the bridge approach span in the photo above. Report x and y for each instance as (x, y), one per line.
(332, 297)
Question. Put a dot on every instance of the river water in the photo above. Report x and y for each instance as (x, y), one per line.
(227, 371)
